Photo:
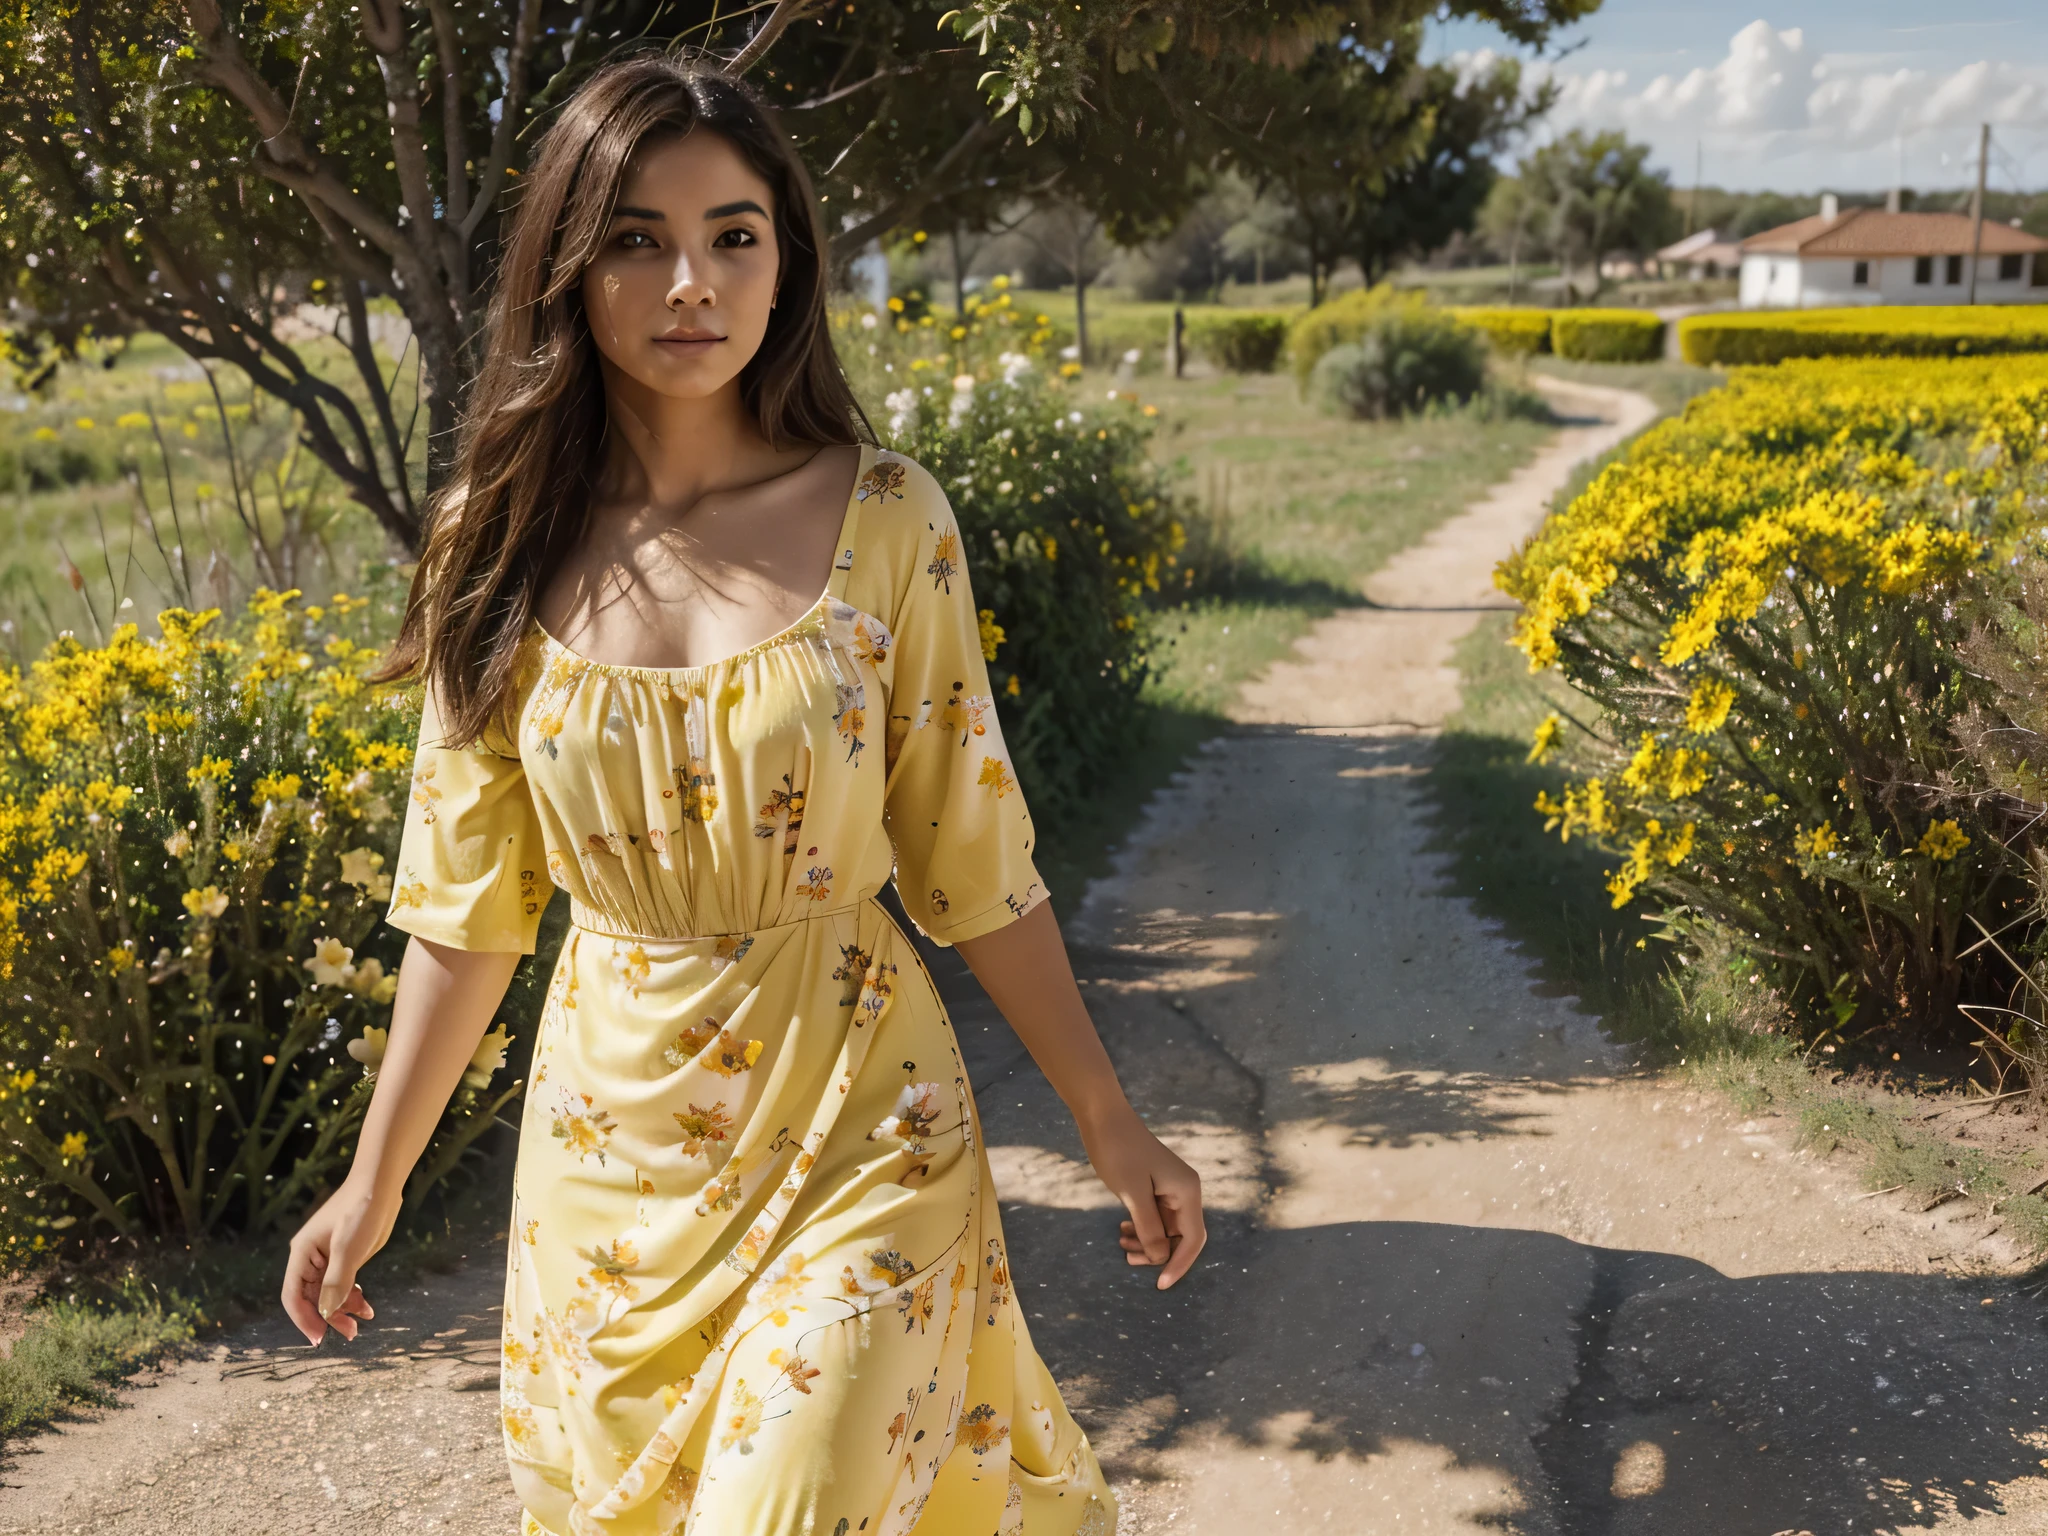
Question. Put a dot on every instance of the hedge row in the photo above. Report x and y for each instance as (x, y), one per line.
(1514, 332)
(1901, 330)
(1607, 335)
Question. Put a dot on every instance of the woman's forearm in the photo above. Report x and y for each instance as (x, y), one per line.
(446, 999)
(1023, 967)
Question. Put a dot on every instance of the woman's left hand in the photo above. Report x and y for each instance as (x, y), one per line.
(1162, 1193)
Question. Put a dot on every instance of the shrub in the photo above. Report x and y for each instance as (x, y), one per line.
(1068, 527)
(1767, 602)
(1512, 332)
(1345, 318)
(1410, 358)
(1607, 335)
(1239, 340)
(1889, 330)
(194, 836)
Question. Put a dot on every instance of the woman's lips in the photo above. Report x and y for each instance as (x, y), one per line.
(688, 341)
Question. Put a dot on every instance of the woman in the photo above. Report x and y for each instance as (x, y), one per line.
(756, 1283)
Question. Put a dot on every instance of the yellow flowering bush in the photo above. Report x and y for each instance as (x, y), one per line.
(1880, 330)
(195, 842)
(1766, 603)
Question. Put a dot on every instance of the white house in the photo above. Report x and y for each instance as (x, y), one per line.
(1704, 253)
(1869, 256)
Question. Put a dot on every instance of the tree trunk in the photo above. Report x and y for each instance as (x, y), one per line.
(1081, 314)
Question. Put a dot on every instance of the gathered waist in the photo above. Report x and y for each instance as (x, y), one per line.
(591, 920)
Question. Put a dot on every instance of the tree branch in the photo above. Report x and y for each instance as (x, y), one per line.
(916, 198)
(512, 105)
(454, 136)
(779, 20)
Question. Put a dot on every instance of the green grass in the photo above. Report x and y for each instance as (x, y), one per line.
(67, 455)
(1289, 510)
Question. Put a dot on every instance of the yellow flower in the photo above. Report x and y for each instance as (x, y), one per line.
(332, 963)
(178, 844)
(1708, 707)
(487, 1060)
(991, 633)
(1543, 741)
(368, 980)
(280, 786)
(368, 1048)
(72, 1147)
(211, 901)
(1942, 841)
(132, 419)
(1819, 842)
(218, 769)
(364, 869)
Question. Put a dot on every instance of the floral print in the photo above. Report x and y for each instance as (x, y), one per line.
(694, 1263)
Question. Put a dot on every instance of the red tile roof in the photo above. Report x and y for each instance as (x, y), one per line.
(1873, 232)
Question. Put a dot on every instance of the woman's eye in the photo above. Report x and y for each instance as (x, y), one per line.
(628, 239)
(734, 238)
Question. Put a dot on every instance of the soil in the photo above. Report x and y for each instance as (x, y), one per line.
(1469, 1270)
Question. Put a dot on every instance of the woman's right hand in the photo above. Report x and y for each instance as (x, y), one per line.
(320, 1289)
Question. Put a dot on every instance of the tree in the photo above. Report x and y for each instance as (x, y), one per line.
(1350, 120)
(1440, 189)
(1593, 193)
(199, 167)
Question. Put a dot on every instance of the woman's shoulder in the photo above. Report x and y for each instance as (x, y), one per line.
(904, 515)
(895, 492)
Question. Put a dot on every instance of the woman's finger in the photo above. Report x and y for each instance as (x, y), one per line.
(1152, 1247)
(1182, 1218)
(302, 1272)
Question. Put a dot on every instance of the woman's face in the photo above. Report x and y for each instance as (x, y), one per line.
(679, 291)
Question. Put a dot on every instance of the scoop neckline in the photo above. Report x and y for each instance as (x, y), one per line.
(783, 636)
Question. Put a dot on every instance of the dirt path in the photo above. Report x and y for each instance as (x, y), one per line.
(1472, 1274)
(1468, 1274)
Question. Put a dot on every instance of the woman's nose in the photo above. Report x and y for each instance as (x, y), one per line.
(689, 287)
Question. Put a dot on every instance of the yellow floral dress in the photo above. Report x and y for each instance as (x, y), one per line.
(757, 1283)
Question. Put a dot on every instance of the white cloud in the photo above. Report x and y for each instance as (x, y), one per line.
(1773, 98)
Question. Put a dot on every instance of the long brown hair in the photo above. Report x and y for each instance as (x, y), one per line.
(534, 428)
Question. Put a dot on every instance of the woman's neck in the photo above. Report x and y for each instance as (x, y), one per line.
(663, 453)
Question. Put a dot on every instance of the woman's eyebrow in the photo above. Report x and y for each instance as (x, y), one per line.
(726, 210)
(628, 211)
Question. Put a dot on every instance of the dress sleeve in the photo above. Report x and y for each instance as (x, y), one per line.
(471, 859)
(955, 811)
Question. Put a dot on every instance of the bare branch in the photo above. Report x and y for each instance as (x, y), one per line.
(512, 106)
(917, 198)
(845, 91)
(455, 138)
(779, 20)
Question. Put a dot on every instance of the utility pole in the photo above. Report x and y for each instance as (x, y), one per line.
(1692, 204)
(1977, 206)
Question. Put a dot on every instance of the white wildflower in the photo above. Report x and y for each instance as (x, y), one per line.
(332, 964)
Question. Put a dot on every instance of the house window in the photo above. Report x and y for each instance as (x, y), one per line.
(2009, 268)
(1860, 277)
(1952, 269)
(2041, 269)
(1923, 269)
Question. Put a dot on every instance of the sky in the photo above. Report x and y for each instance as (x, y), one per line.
(1806, 95)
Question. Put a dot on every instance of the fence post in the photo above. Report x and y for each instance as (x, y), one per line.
(1176, 342)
